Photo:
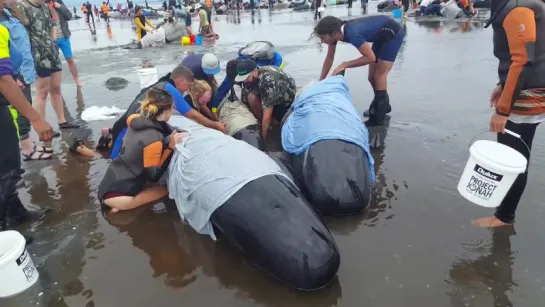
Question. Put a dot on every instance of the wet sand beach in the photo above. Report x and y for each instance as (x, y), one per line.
(415, 246)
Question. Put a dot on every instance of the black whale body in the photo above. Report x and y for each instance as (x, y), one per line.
(334, 176)
(273, 225)
(251, 135)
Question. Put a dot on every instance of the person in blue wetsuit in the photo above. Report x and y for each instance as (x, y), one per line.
(385, 34)
(176, 83)
(228, 83)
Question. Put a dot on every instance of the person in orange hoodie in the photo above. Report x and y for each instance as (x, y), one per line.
(105, 11)
(141, 22)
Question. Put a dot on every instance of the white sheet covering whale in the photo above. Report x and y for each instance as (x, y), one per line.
(207, 168)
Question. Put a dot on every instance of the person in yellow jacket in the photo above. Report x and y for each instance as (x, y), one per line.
(141, 22)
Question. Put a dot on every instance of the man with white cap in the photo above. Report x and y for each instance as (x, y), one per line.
(203, 67)
(267, 90)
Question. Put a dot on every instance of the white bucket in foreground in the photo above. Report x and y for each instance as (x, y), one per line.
(147, 76)
(490, 172)
(17, 271)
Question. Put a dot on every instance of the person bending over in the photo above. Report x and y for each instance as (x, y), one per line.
(179, 81)
(144, 156)
(183, 15)
(204, 67)
(201, 93)
(385, 34)
(268, 92)
(228, 83)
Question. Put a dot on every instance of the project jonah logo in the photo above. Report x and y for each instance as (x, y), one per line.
(482, 182)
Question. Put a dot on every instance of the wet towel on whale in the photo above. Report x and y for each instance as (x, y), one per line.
(324, 112)
(236, 116)
(208, 167)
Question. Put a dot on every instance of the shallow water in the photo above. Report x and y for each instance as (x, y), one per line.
(415, 246)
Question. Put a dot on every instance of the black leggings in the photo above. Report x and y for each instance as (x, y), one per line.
(405, 4)
(10, 164)
(506, 211)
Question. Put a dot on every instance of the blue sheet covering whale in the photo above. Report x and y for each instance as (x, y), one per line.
(325, 112)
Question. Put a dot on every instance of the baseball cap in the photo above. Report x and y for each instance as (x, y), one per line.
(210, 64)
(197, 6)
(244, 68)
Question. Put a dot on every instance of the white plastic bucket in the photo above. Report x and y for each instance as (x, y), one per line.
(490, 172)
(147, 76)
(17, 271)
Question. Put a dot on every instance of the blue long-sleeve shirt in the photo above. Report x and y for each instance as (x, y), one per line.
(227, 84)
(19, 41)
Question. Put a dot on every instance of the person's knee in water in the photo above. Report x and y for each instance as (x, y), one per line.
(266, 89)
(144, 157)
(385, 34)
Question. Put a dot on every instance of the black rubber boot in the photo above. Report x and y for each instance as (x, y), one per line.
(388, 107)
(378, 109)
(17, 214)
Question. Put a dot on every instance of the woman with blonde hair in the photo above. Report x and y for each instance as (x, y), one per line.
(201, 94)
(144, 156)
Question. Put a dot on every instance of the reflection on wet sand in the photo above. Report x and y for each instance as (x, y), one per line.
(220, 260)
(68, 228)
(167, 258)
(490, 275)
(438, 25)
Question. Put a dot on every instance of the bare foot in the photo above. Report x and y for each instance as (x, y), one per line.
(87, 152)
(489, 222)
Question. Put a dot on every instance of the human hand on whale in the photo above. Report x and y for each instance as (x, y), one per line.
(175, 138)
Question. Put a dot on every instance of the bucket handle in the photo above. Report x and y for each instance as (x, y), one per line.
(516, 135)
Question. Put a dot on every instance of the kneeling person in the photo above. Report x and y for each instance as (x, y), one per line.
(144, 156)
(176, 83)
(268, 91)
